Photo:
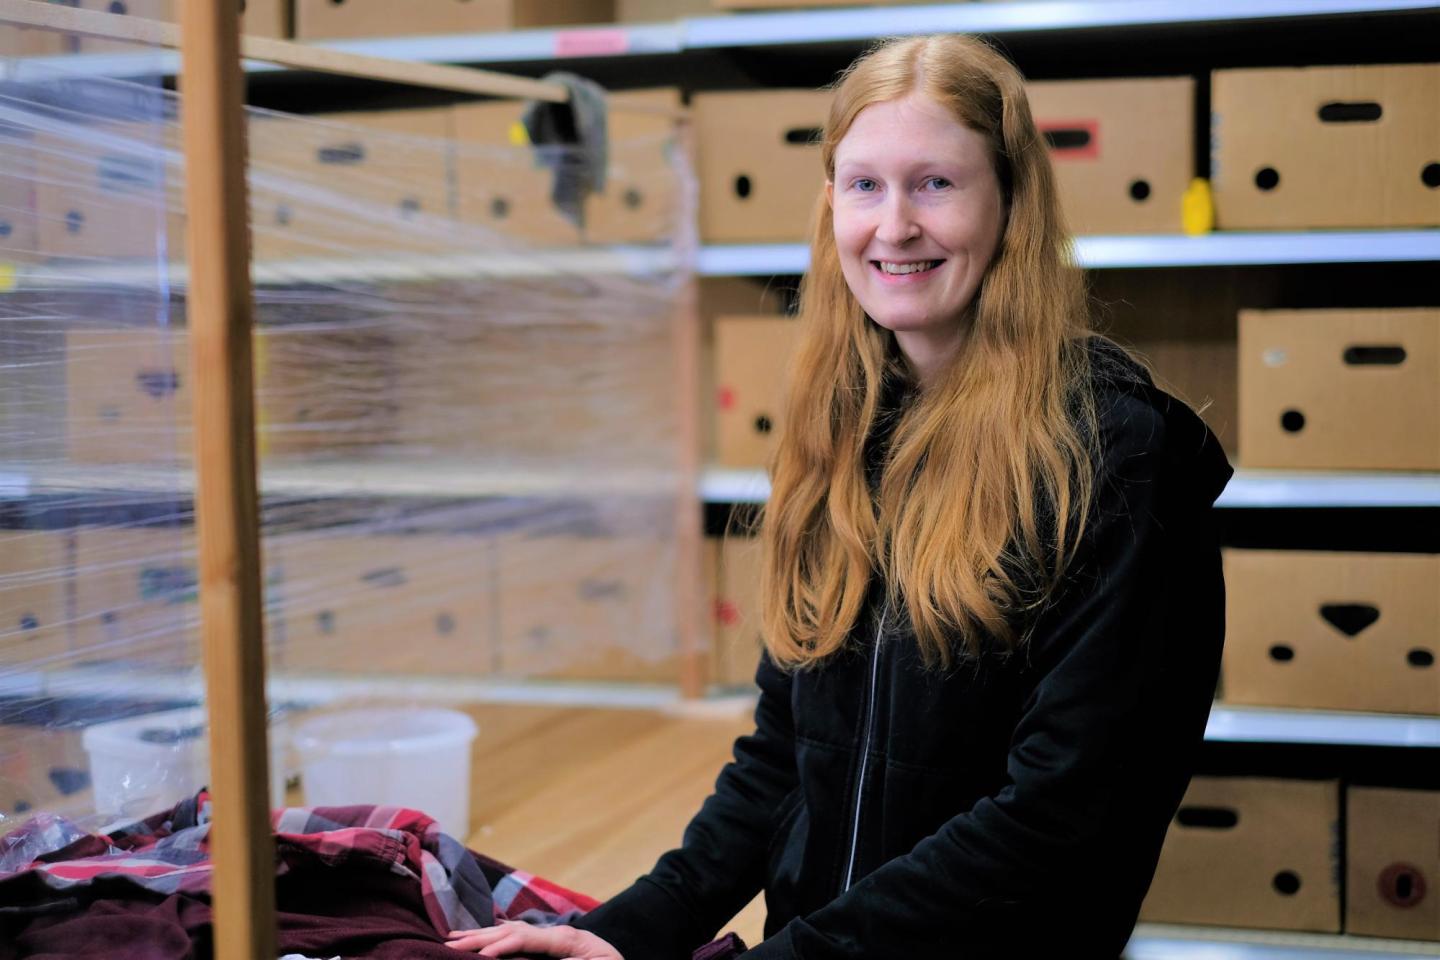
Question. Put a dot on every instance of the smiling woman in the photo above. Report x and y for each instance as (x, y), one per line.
(991, 591)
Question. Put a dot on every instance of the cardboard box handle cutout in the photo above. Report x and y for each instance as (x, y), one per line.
(1363, 111)
(1207, 818)
(1363, 355)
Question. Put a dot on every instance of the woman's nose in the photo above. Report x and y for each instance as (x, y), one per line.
(897, 224)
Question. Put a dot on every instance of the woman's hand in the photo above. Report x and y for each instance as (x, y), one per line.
(514, 936)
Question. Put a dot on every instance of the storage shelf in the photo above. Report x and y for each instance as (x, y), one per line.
(1161, 250)
(849, 25)
(1232, 724)
(1249, 488)
(359, 268)
(1156, 941)
(358, 478)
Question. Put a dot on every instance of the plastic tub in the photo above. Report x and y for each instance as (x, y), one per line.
(404, 757)
(144, 764)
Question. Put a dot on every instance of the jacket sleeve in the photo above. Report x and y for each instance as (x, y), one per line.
(1091, 665)
(720, 864)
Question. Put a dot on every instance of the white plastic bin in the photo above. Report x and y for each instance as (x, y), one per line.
(405, 757)
(144, 764)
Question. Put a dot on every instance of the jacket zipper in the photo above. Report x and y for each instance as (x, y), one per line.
(865, 749)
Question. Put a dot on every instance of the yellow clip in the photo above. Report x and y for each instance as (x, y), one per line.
(519, 136)
(1197, 208)
(8, 277)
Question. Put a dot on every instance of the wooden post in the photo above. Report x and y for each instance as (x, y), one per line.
(226, 514)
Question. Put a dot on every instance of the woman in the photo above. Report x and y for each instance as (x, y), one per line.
(992, 600)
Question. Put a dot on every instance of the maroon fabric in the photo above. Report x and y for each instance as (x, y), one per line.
(726, 948)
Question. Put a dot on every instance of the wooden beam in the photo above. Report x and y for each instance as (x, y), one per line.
(298, 56)
(226, 515)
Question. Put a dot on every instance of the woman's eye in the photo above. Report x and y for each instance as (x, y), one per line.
(937, 183)
(864, 184)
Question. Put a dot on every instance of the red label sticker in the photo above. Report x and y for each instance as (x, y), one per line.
(726, 398)
(1071, 139)
(726, 613)
(591, 43)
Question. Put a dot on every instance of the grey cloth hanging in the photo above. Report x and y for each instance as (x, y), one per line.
(572, 139)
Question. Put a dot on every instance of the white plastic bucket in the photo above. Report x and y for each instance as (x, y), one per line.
(405, 757)
(144, 764)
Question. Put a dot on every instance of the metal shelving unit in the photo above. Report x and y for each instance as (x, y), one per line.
(750, 30)
(1248, 489)
(1154, 941)
(1128, 252)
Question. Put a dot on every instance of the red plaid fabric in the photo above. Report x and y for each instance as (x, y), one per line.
(169, 853)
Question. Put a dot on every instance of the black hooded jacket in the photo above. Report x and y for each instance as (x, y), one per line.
(998, 809)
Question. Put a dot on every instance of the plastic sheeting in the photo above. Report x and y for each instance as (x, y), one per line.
(471, 456)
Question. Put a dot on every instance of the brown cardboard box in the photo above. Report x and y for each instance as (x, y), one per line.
(338, 184)
(128, 393)
(1392, 863)
(42, 769)
(658, 11)
(16, 41)
(262, 18)
(587, 608)
(1326, 147)
(640, 203)
(110, 191)
(1123, 150)
(34, 571)
(1339, 631)
(415, 604)
(324, 19)
(758, 159)
(17, 194)
(498, 184)
(1342, 389)
(1251, 853)
(737, 611)
(780, 4)
(137, 596)
(752, 358)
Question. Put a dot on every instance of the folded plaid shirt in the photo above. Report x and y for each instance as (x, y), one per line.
(170, 853)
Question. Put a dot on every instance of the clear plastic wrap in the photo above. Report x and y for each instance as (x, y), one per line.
(471, 442)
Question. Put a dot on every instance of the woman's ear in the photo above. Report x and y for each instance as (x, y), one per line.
(830, 193)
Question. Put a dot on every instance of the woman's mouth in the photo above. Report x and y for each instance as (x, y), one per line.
(905, 270)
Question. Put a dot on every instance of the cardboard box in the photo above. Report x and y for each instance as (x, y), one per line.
(110, 191)
(1251, 853)
(17, 194)
(137, 598)
(326, 19)
(781, 4)
(261, 18)
(736, 611)
(42, 768)
(128, 393)
(1340, 389)
(759, 164)
(1326, 147)
(17, 41)
(1392, 858)
(1123, 150)
(416, 604)
(587, 608)
(660, 11)
(34, 573)
(1332, 631)
(641, 202)
(752, 359)
(338, 184)
(499, 185)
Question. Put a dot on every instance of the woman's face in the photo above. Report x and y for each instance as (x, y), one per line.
(918, 215)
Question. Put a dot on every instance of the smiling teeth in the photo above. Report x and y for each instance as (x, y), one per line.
(906, 267)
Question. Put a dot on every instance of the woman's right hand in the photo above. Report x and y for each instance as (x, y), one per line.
(514, 936)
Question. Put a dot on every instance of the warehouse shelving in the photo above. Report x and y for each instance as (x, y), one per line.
(1124, 252)
(1154, 941)
(1248, 488)
(822, 26)
(758, 260)
(459, 478)
(1231, 724)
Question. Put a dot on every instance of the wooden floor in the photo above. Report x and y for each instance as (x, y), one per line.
(588, 797)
